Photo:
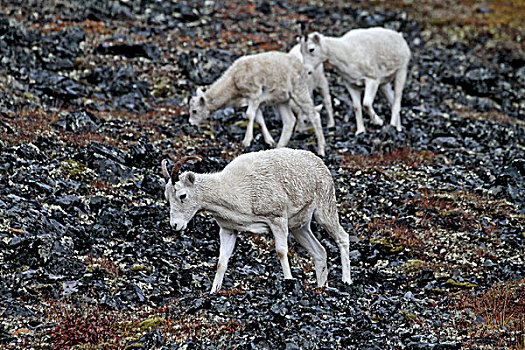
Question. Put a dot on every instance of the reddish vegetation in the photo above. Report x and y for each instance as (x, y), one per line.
(411, 158)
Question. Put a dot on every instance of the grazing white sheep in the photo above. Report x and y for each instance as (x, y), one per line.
(275, 191)
(271, 78)
(316, 81)
(367, 59)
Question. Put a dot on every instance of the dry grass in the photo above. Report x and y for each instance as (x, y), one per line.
(497, 315)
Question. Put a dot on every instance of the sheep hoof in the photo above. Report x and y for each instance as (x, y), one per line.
(377, 121)
(246, 143)
(331, 124)
(347, 281)
(359, 131)
(270, 143)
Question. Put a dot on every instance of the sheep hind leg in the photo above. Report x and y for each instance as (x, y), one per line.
(228, 239)
(371, 87)
(388, 92)
(326, 216)
(259, 118)
(306, 238)
(399, 84)
(280, 235)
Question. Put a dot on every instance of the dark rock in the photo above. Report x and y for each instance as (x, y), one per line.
(78, 121)
(186, 13)
(143, 154)
(264, 8)
(426, 275)
(56, 85)
(151, 340)
(483, 10)
(129, 50)
(204, 69)
(448, 142)
(152, 184)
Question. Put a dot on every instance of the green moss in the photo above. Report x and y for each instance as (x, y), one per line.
(76, 170)
(78, 62)
(98, 269)
(162, 87)
(92, 268)
(147, 325)
(439, 291)
(139, 267)
(413, 266)
(409, 316)
(244, 123)
(387, 243)
(455, 284)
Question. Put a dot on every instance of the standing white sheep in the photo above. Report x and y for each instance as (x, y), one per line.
(316, 81)
(367, 59)
(271, 78)
(275, 191)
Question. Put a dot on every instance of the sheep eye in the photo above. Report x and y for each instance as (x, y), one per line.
(194, 111)
(312, 49)
(182, 197)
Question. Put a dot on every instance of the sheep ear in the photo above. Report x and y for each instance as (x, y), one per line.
(189, 180)
(201, 100)
(200, 92)
(318, 108)
(316, 38)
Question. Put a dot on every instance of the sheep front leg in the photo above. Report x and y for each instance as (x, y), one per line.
(228, 238)
(327, 101)
(288, 123)
(315, 119)
(266, 134)
(250, 114)
(356, 100)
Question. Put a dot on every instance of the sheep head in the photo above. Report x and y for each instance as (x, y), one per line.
(181, 193)
(311, 50)
(198, 108)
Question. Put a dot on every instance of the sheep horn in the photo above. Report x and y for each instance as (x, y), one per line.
(179, 164)
(165, 172)
(303, 29)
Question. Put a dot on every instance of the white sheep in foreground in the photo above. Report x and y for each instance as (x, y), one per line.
(270, 78)
(368, 59)
(275, 191)
(316, 81)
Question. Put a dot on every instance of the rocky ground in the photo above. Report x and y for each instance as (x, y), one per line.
(93, 96)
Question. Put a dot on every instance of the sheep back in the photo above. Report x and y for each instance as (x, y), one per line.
(281, 179)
